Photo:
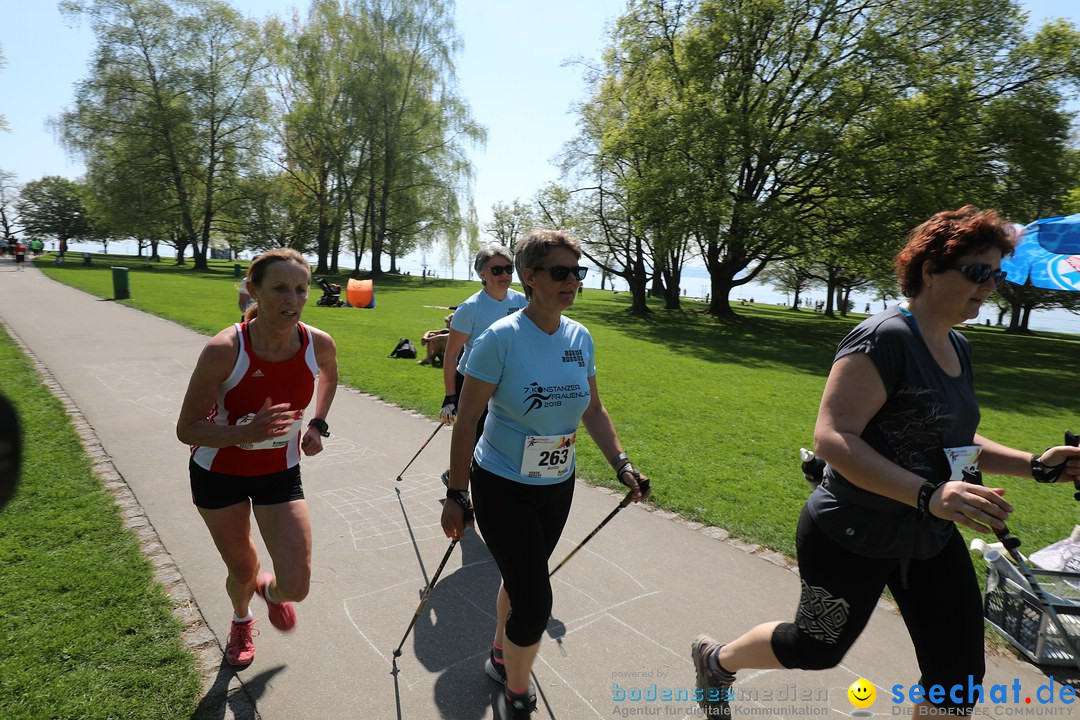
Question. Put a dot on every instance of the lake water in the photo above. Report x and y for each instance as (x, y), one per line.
(695, 282)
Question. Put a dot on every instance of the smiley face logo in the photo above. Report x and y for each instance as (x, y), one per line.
(861, 693)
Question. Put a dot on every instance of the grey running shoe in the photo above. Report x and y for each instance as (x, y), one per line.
(446, 477)
(715, 685)
(516, 708)
(495, 670)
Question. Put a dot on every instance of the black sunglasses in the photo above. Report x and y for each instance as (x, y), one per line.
(498, 270)
(979, 273)
(559, 273)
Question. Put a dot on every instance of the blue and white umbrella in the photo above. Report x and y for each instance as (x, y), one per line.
(1059, 235)
(1046, 269)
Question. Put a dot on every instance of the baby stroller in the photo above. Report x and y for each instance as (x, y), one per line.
(331, 296)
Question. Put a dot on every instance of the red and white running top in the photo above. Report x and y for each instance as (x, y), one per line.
(249, 384)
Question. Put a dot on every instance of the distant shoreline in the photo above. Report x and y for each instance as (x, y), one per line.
(695, 283)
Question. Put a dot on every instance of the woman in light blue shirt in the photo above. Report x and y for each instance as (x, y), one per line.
(534, 372)
(495, 300)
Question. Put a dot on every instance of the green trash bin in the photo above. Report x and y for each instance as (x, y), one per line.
(121, 290)
(237, 271)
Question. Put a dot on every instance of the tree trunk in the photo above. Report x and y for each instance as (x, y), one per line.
(657, 289)
(335, 245)
(1014, 318)
(638, 293)
(720, 304)
(671, 296)
(830, 294)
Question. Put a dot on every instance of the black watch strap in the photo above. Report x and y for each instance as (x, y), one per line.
(461, 497)
(1045, 473)
(320, 425)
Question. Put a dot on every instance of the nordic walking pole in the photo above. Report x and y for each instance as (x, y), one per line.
(437, 429)
(427, 592)
(643, 487)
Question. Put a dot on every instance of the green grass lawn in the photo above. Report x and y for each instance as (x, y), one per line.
(85, 631)
(713, 412)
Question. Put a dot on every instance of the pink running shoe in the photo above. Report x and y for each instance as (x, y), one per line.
(282, 614)
(240, 650)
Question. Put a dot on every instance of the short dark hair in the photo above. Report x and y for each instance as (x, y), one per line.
(946, 236)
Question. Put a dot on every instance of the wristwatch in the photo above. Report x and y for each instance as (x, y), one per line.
(461, 497)
(320, 425)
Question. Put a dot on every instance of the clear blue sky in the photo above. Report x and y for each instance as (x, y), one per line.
(511, 72)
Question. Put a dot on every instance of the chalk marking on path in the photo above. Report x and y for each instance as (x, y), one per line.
(372, 521)
(571, 686)
(602, 611)
(362, 634)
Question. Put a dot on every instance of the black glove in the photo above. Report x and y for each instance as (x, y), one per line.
(1045, 473)
(449, 409)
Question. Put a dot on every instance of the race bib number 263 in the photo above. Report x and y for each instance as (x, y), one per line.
(548, 456)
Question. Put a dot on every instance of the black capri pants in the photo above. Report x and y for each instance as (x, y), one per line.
(521, 525)
(940, 603)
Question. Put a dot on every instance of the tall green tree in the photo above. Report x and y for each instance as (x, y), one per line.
(758, 126)
(373, 128)
(422, 128)
(53, 206)
(178, 79)
(509, 222)
(322, 100)
(471, 230)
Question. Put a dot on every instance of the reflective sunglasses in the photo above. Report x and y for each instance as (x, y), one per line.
(559, 273)
(498, 270)
(979, 273)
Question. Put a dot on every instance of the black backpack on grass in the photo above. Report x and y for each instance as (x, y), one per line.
(404, 349)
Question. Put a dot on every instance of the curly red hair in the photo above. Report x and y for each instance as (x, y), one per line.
(946, 236)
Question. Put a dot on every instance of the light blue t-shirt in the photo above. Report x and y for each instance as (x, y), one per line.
(476, 314)
(543, 389)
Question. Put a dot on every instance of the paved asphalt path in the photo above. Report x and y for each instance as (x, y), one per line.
(626, 607)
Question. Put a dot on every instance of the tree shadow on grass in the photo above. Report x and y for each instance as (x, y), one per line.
(805, 342)
(1013, 373)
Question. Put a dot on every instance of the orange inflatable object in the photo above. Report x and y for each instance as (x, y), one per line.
(360, 293)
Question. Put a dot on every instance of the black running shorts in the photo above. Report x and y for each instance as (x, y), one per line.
(213, 491)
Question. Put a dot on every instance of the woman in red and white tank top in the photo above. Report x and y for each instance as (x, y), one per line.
(243, 416)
